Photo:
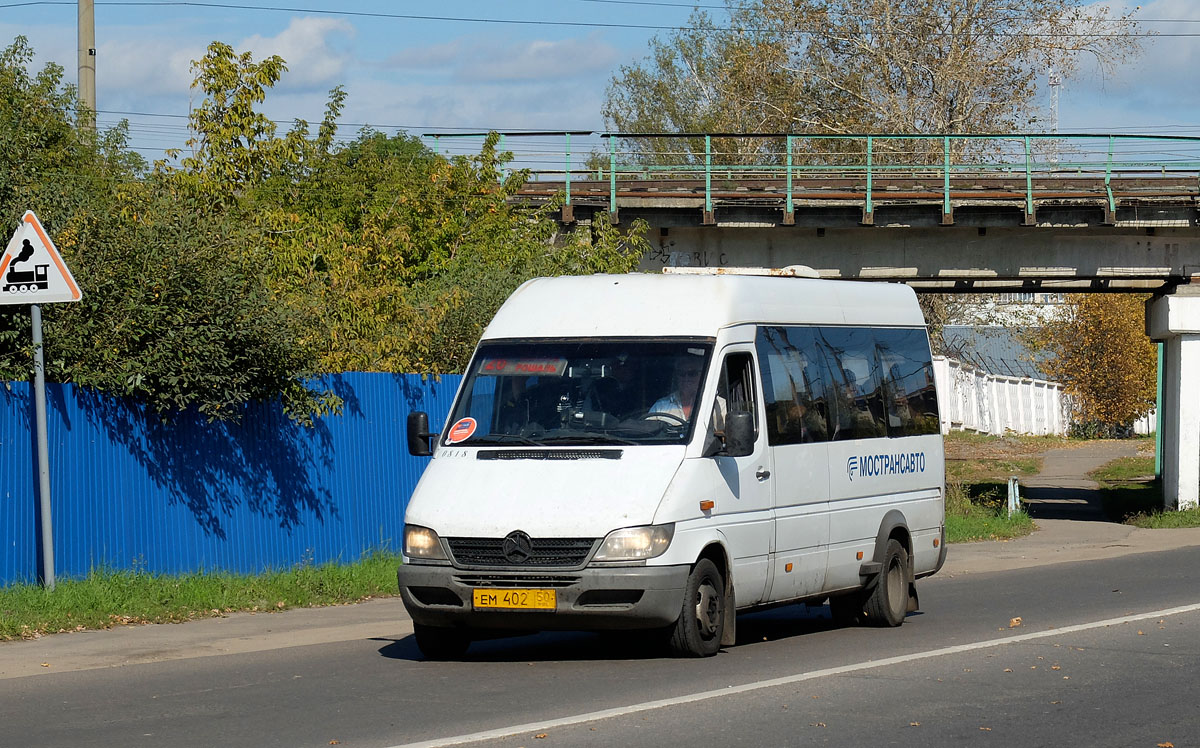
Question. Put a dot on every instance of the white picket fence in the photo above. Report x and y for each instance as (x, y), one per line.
(972, 399)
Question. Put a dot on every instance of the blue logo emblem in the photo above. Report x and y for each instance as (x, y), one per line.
(875, 466)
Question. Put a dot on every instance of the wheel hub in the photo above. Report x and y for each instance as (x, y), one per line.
(708, 610)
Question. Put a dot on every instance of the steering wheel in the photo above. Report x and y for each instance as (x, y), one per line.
(669, 417)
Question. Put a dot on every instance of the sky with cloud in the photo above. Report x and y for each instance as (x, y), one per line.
(472, 66)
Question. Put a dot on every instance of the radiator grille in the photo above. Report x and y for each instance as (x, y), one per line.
(543, 552)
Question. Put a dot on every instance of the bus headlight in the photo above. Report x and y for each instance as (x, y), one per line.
(636, 543)
(421, 542)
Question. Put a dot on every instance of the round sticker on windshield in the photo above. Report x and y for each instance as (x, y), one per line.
(461, 430)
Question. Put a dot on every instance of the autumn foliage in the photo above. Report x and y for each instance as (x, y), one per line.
(1103, 358)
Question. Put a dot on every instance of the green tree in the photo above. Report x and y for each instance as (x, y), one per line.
(175, 311)
(234, 144)
(258, 260)
(387, 256)
(407, 255)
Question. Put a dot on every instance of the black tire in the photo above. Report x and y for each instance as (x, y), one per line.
(438, 643)
(887, 603)
(701, 622)
(846, 610)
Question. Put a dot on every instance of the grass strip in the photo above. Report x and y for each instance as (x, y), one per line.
(977, 512)
(105, 598)
(1131, 494)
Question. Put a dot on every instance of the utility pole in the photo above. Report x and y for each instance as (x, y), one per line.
(87, 60)
(1055, 83)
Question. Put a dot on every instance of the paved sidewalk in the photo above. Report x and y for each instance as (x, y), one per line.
(1063, 502)
(236, 633)
(1071, 525)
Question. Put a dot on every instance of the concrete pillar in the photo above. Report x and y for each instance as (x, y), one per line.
(1175, 320)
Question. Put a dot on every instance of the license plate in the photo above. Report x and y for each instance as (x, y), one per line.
(516, 599)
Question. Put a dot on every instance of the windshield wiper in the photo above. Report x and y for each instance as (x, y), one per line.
(589, 437)
(498, 439)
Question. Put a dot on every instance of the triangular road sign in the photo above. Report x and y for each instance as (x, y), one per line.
(32, 271)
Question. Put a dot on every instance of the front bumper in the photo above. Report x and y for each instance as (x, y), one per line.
(629, 597)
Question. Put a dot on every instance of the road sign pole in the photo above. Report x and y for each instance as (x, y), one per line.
(43, 449)
(33, 273)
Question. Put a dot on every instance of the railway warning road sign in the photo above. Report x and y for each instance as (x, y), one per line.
(31, 269)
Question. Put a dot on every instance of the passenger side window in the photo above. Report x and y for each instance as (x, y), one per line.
(794, 389)
(838, 383)
(856, 401)
(912, 407)
(735, 391)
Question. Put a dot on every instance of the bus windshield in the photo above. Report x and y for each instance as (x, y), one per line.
(571, 392)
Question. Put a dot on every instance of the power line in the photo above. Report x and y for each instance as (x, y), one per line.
(499, 128)
(597, 24)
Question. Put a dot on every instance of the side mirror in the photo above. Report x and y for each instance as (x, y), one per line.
(739, 434)
(418, 434)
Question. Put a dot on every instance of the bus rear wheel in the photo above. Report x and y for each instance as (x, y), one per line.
(887, 603)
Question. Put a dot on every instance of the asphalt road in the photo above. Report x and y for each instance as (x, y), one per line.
(1096, 660)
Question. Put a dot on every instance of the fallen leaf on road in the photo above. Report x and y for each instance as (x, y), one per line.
(816, 724)
(1167, 744)
(334, 742)
(45, 664)
(1008, 670)
(1056, 667)
(986, 729)
(1141, 633)
(914, 724)
(1012, 624)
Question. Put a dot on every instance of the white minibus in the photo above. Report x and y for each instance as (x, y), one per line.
(660, 452)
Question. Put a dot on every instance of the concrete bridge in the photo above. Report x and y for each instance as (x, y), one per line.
(945, 213)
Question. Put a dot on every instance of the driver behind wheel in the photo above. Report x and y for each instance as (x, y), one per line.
(685, 391)
(685, 386)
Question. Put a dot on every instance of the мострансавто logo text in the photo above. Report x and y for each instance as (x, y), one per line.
(870, 466)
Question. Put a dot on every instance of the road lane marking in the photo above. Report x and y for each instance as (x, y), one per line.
(504, 732)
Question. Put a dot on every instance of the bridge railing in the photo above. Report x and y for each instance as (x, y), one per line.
(857, 163)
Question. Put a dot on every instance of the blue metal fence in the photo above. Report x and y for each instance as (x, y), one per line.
(131, 491)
